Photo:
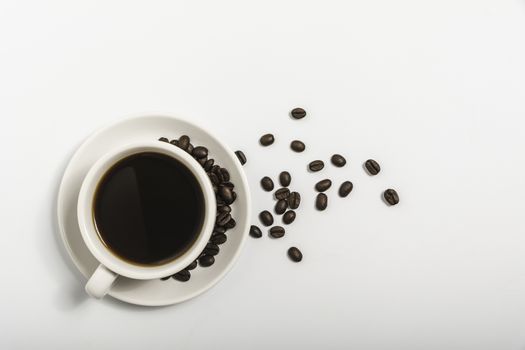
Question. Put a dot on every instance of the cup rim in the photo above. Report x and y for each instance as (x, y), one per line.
(87, 225)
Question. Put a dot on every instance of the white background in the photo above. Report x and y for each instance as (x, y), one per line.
(434, 90)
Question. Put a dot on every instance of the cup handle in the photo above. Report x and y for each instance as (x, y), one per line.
(100, 282)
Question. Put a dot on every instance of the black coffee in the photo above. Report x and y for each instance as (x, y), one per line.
(148, 208)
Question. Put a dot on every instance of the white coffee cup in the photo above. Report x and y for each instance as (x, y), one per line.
(111, 266)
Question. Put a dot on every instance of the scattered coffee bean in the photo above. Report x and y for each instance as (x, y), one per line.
(182, 276)
(267, 140)
(192, 266)
(240, 155)
(321, 202)
(282, 193)
(338, 160)
(200, 152)
(277, 231)
(266, 218)
(323, 185)
(372, 166)
(297, 146)
(190, 148)
(215, 169)
(295, 254)
(229, 185)
(234, 196)
(165, 278)
(231, 224)
(206, 260)
(219, 229)
(285, 179)
(211, 249)
(345, 189)
(316, 165)
(391, 196)
(223, 174)
(208, 165)
(214, 179)
(289, 217)
(219, 238)
(223, 219)
(163, 139)
(267, 184)
(202, 161)
(298, 113)
(226, 194)
(255, 232)
(281, 206)
(175, 142)
(294, 200)
(184, 142)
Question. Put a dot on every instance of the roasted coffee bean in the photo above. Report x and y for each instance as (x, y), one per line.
(323, 185)
(255, 232)
(266, 218)
(289, 217)
(164, 139)
(231, 224)
(219, 238)
(226, 194)
(214, 179)
(206, 260)
(218, 229)
(200, 152)
(165, 278)
(285, 179)
(192, 266)
(234, 194)
(294, 200)
(223, 174)
(295, 254)
(202, 161)
(391, 196)
(182, 276)
(267, 184)
(298, 113)
(282, 193)
(211, 249)
(215, 169)
(372, 167)
(316, 165)
(190, 148)
(209, 163)
(277, 231)
(267, 140)
(184, 142)
(240, 155)
(223, 209)
(229, 185)
(345, 189)
(175, 142)
(297, 146)
(281, 206)
(223, 219)
(338, 160)
(321, 202)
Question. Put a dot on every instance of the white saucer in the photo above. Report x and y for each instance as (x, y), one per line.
(152, 292)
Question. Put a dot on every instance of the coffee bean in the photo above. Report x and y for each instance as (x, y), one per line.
(223, 174)
(345, 189)
(218, 229)
(295, 254)
(223, 209)
(165, 278)
(391, 196)
(202, 161)
(316, 165)
(321, 202)
(184, 142)
(200, 152)
(223, 219)
(182, 276)
(228, 184)
(191, 266)
(234, 194)
(267, 184)
(255, 232)
(277, 231)
(372, 166)
(175, 142)
(215, 169)
(285, 179)
(219, 238)
(297, 146)
(208, 165)
(231, 224)
(281, 206)
(206, 260)
(190, 148)
(242, 158)
(338, 160)
(323, 185)
(266, 218)
(164, 139)
(214, 179)
(294, 200)
(298, 113)
(211, 249)
(267, 140)
(226, 194)
(289, 217)
(282, 193)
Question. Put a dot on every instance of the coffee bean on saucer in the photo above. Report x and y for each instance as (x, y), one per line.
(321, 202)
(372, 167)
(231, 224)
(202, 161)
(234, 195)
(267, 140)
(391, 196)
(240, 155)
(298, 113)
(190, 148)
(277, 231)
(218, 229)
(295, 254)
(345, 189)
(182, 276)
(266, 218)
(206, 260)
(285, 178)
(316, 165)
(223, 219)
(282, 193)
(226, 194)
(191, 266)
(323, 185)
(223, 209)
(228, 184)
(215, 169)
(200, 152)
(165, 278)
(338, 160)
(211, 249)
(255, 232)
(297, 146)
(294, 200)
(164, 139)
(175, 142)
(209, 163)
(184, 141)
(214, 178)
(219, 238)
(267, 184)
(281, 206)
(289, 217)
(223, 174)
